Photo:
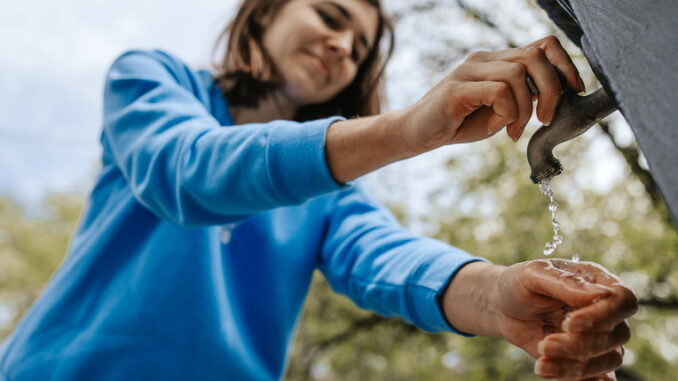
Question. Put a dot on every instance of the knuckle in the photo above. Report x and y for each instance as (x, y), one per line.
(517, 69)
(551, 40)
(461, 70)
(476, 56)
(534, 53)
(501, 89)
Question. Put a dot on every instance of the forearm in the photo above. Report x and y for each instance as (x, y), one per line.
(359, 146)
(470, 298)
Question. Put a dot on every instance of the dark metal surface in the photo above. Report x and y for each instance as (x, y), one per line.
(574, 116)
(633, 48)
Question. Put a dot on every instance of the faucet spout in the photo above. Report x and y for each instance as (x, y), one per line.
(574, 116)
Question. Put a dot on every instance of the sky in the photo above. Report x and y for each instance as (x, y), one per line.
(53, 58)
(54, 55)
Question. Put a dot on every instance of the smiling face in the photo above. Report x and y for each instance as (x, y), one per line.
(317, 46)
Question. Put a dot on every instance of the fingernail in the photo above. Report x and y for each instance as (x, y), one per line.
(541, 347)
(566, 322)
(519, 134)
(553, 115)
(548, 121)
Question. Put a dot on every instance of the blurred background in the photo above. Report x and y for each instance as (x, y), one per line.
(53, 57)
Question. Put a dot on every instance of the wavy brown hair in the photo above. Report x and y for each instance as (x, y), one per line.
(247, 74)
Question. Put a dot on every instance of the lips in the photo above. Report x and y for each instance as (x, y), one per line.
(321, 66)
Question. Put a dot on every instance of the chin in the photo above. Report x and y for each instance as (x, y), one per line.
(305, 90)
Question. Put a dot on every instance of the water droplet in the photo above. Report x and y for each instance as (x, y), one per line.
(548, 250)
(553, 206)
(557, 239)
(575, 257)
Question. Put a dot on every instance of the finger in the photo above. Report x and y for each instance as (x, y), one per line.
(580, 346)
(512, 73)
(547, 81)
(604, 314)
(542, 72)
(493, 94)
(573, 369)
(559, 58)
(542, 277)
(591, 271)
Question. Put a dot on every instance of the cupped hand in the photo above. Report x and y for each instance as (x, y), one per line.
(570, 316)
(488, 91)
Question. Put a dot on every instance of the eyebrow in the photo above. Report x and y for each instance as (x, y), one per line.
(349, 17)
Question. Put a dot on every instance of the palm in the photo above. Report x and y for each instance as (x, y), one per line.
(527, 317)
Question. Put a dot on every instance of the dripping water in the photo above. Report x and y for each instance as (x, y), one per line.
(557, 239)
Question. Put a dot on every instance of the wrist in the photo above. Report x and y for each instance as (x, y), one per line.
(406, 131)
(358, 146)
(471, 301)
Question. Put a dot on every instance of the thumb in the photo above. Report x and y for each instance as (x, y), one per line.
(543, 278)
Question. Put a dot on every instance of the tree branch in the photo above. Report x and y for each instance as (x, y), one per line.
(631, 155)
(664, 304)
(486, 20)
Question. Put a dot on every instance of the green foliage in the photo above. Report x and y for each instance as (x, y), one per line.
(31, 247)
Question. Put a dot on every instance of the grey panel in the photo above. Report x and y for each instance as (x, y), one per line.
(635, 44)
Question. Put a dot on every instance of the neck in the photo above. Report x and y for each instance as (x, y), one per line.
(273, 107)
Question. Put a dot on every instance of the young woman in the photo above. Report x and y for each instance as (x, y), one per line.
(221, 193)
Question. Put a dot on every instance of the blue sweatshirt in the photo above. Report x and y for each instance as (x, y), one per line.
(195, 252)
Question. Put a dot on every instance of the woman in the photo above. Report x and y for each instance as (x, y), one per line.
(216, 202)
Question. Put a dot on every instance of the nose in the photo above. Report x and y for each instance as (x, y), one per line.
(340, 44)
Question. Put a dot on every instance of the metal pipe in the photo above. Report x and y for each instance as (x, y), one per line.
(574, 116)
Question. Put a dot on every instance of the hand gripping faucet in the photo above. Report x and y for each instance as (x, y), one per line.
(574, 116)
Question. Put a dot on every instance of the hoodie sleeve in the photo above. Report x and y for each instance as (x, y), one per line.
(381, 266)
(184, 166)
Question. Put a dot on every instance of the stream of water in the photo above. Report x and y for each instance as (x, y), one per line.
(557, 239)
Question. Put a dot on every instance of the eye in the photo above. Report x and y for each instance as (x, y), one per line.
(328, 19)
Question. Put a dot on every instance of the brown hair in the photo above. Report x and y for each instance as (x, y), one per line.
(246, 72)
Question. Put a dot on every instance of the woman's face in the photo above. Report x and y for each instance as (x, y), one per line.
(318, 45)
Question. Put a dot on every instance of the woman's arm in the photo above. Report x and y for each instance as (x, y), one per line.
(477, 99)
(181, 164)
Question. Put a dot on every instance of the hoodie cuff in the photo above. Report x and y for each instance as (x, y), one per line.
(429, 285)
(297, 162)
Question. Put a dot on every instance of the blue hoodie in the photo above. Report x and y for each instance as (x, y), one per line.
(195, 252)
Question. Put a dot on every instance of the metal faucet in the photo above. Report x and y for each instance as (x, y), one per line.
(574, 116)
